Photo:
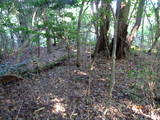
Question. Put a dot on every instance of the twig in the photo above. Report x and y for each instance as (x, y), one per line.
(40, 109)
(19, 111)
(74, 107)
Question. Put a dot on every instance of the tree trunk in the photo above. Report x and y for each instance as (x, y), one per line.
(78, 35)
(54, 42)
(102, 44)
(23, 18)
(95, 23)
(122, 44)
(13, 41)
(138, 21)
(38, 46)
(103, 40)
(112, 82)
(23, 35)
(142, 34)
(157, 34)
(48, 41)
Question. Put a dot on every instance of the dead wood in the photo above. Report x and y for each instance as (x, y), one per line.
(5, 79)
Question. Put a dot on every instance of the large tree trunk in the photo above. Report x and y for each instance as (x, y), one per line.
(23, 19)
(102, 40)
(122, 44)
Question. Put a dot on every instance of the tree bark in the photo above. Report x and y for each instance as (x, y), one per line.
(38, 46)
(112, 82)
(142, 34)
(47, 35)
(151, 29)
(102, 44)
(116, 23)
(78, 33)
(49, 43)
(157, 34)
(122, 44)
(138, 21)
(23, 18)
(23, 35)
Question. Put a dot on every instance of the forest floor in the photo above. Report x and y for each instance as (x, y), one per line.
(61, 93)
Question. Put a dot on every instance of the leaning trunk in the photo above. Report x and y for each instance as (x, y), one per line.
(138, 21)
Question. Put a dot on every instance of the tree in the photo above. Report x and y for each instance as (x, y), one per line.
(24, 17)
(103, 43)
(102, 30)
(122, 44)
(138, 21)
(112, 82)
(118, 7)
(157, 34)
(47, 34)
(78, 33)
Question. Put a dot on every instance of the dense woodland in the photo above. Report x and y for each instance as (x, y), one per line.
(79, 60)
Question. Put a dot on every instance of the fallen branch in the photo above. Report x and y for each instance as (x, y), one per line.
(49, 65)
(19, 111)
(22, 70)
(9, 79)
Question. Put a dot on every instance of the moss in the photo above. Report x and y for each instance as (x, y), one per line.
(52, 64)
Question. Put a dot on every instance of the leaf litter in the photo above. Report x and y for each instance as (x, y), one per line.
(53, 95)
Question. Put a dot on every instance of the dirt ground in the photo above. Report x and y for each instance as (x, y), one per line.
(61, 93)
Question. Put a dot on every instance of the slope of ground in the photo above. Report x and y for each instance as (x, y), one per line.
(62, 93)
